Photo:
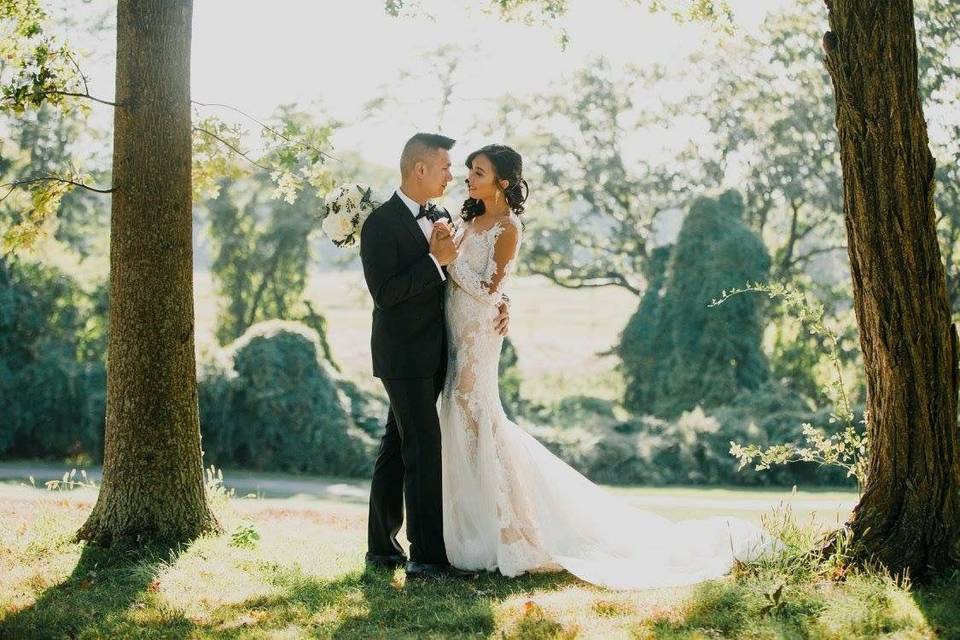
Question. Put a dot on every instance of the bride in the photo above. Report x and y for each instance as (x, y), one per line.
(508, 503)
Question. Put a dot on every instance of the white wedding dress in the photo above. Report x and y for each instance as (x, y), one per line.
(508, 502)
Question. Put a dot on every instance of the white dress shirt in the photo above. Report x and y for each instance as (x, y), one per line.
(426, 225)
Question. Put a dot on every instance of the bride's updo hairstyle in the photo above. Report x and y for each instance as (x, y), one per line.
(508, 165)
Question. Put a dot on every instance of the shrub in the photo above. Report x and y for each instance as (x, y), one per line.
(368, 410)
(677, 352)
(270, 401)
(52, 376)
(693, 448)
(509, 380)
(845, 448)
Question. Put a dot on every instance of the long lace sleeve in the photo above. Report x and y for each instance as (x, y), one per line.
(501, 245)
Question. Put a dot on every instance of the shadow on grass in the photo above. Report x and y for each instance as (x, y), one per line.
(863, 606)
(113, 594)
(722, 608)
(378, 604)
(940, 604)
(96, 598)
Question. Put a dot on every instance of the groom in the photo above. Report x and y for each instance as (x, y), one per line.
(405, 245)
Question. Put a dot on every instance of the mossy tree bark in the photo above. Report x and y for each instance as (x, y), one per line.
(153, 487)
(909, 515)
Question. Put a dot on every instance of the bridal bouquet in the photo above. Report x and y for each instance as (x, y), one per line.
(343, 212)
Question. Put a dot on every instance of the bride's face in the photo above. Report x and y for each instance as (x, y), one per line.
(482, 182)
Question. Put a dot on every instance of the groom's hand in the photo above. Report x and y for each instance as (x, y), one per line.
(441, 245)
(502, 322)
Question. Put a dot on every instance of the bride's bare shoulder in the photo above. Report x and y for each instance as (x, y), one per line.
(511, 221)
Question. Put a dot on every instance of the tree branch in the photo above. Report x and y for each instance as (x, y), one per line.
(20, 183)
(265, 126)
(609, 280)
(275, 260)
(76, 66)
(813, 252)
(72, 94)
(232, 148)
(816, 224)
(805, 257)
(792, 239)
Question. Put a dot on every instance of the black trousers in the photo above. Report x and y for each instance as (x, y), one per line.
(408, 470)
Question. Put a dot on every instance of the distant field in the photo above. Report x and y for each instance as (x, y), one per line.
(557, 332)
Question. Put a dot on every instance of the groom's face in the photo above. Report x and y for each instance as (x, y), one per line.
(436, 173)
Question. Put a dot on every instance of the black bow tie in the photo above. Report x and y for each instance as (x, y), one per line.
(429, 212)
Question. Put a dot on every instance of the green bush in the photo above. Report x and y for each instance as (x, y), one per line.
(693, 448)
(269, 401)
(368, 411)
(574, 411)
(644, 338)
(679, 353)
(52, 375)
(509, 380)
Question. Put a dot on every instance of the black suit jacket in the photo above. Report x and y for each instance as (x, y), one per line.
(409, 336)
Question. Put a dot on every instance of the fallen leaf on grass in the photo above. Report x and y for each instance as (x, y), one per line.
(531, 608)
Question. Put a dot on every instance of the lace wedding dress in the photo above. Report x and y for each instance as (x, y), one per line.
(508, 502)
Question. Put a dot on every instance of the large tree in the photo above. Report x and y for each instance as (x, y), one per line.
(153, 475)
(260, 255)
(153, 479)
(603, 203)
(772, 110)
(909, 514)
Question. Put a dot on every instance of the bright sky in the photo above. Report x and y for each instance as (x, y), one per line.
(343, 54)
(336, 56)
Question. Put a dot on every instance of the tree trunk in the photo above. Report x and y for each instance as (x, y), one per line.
(153, 485)
(909, 515)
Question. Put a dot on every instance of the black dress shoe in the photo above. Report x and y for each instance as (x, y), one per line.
(385, 562)
(423, 570)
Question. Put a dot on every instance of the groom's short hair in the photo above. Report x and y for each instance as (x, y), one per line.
(419, 146)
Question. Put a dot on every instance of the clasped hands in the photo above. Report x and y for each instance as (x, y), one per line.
(441, 243)
(443, 248)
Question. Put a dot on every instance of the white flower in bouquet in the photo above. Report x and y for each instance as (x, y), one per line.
(344, 210)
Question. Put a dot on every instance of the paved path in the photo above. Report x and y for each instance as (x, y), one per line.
(269, 485)
(243, 482)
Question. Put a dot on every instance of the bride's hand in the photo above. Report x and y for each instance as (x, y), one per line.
(441, 229)
(502, 322)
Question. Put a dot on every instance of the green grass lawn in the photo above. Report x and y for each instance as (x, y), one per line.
(303, 577)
